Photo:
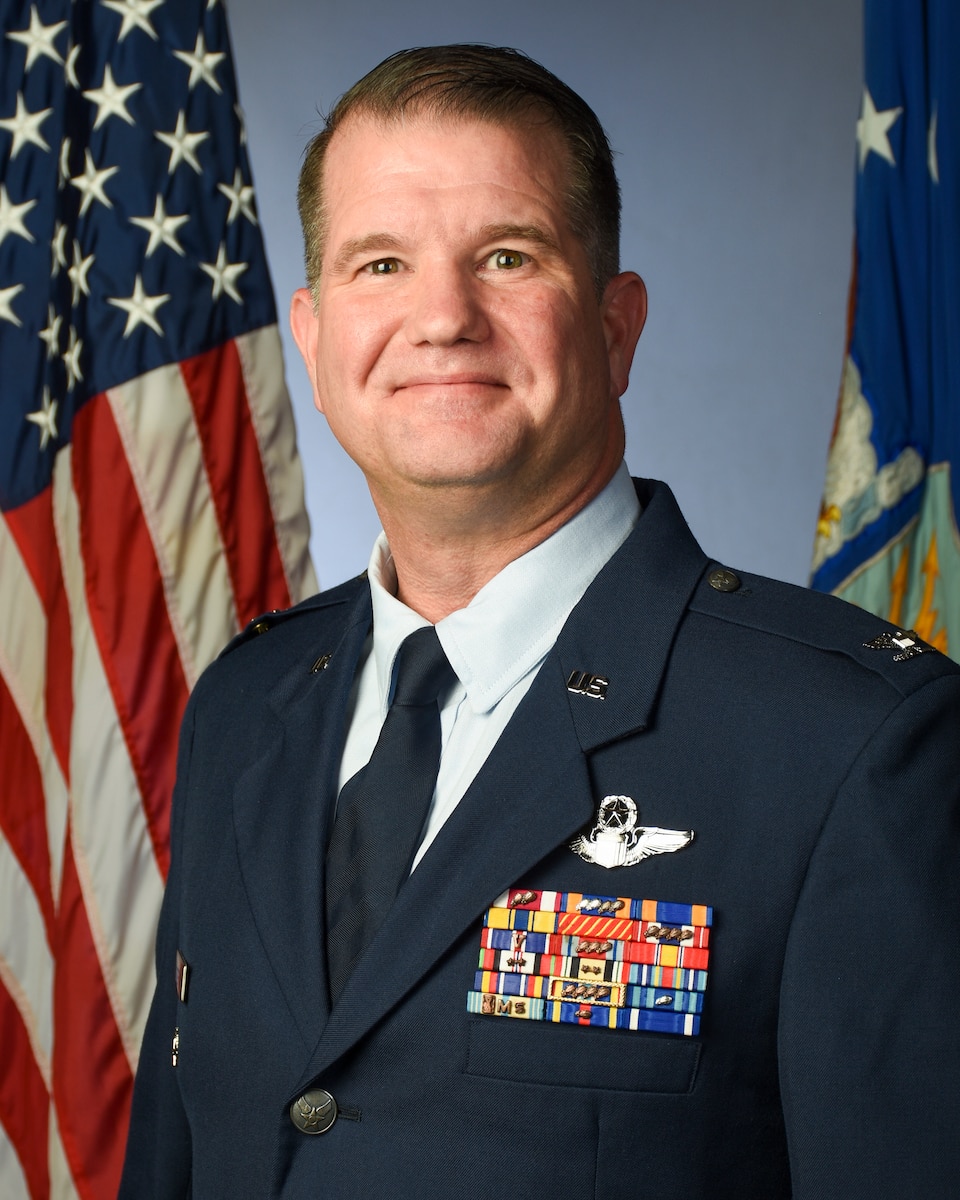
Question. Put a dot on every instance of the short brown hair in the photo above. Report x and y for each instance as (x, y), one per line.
(487, 83)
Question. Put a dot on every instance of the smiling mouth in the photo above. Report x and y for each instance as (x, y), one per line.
(451, 381)
(451, 397)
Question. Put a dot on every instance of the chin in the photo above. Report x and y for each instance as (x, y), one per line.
(458, 460)
(450, 479)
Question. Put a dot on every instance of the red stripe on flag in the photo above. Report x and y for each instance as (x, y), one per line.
(23, 819)
(128, 613)
(231, 456)
(24, 1103)
(32, 528)
(92, 1081)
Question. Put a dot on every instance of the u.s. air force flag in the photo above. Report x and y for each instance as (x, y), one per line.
(887, 536)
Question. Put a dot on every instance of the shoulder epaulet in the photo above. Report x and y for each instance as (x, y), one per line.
(259, 625)
(263, 623)
(821, 621)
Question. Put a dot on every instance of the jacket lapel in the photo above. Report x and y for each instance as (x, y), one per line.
(624, 627)
(534, 792)
(281, 808)
(521, 805)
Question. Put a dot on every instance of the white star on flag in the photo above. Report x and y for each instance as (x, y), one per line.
(872, 130)
(78, 273)
(183, 145)
(7, 297)
(224, 275)
(25, 127)
(64, 162)
(136, 15)
(12, 215)
(58, 250)
(240, 195)
(38, 39)
(202, 63)
(71, 360)
(90, 184)
(111, 98)
(70, 66)
(50, 336)
(45, 418)
(140, 308)
(162, 227)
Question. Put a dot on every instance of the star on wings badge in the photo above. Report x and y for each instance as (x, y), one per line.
(617, 841)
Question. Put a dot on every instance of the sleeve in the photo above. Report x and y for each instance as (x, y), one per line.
(868, 1037)
(158, 1155)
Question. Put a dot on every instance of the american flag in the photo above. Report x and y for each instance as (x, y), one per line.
(151, 502)
(888, 537)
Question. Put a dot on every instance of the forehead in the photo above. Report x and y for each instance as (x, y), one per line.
(372, 165)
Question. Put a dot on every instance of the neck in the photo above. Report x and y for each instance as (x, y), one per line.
(445, 552)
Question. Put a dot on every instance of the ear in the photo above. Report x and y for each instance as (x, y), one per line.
(303, 325)
(623, 312)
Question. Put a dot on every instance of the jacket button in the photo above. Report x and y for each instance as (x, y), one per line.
(314, 1112)
(724, 581)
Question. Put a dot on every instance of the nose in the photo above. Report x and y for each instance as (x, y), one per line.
(446, 306)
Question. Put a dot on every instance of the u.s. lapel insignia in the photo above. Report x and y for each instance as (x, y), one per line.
(617, 841)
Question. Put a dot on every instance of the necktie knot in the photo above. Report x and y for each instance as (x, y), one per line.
(423, 671)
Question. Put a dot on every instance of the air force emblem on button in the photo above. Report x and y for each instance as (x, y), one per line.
(314, 1112)
(617, 841)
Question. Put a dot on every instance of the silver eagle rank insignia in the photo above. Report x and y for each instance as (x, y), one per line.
(907, 645)
(617, 841)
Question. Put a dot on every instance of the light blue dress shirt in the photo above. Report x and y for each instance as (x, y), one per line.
(496, 644)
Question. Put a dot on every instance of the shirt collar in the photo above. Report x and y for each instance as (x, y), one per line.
(511, 624)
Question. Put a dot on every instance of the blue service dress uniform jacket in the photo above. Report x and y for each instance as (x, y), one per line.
(820, 778)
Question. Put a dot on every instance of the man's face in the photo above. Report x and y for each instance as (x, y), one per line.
(458, 345)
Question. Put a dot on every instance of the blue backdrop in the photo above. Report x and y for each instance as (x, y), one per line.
(734, 125)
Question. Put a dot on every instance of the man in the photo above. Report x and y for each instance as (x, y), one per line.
(680, 918)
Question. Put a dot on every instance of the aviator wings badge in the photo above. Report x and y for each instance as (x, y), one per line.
(617, 841)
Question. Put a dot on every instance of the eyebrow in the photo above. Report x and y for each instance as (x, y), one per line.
(370, 243)
(520, 233)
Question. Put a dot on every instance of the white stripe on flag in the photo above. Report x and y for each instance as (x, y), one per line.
(23, 648)
(61, 1178)
(156, 424)
(261, 360)
(116, 865)
(26, 964)
(11, 1173)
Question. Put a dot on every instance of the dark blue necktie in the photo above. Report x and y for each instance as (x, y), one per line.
(382, 809)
